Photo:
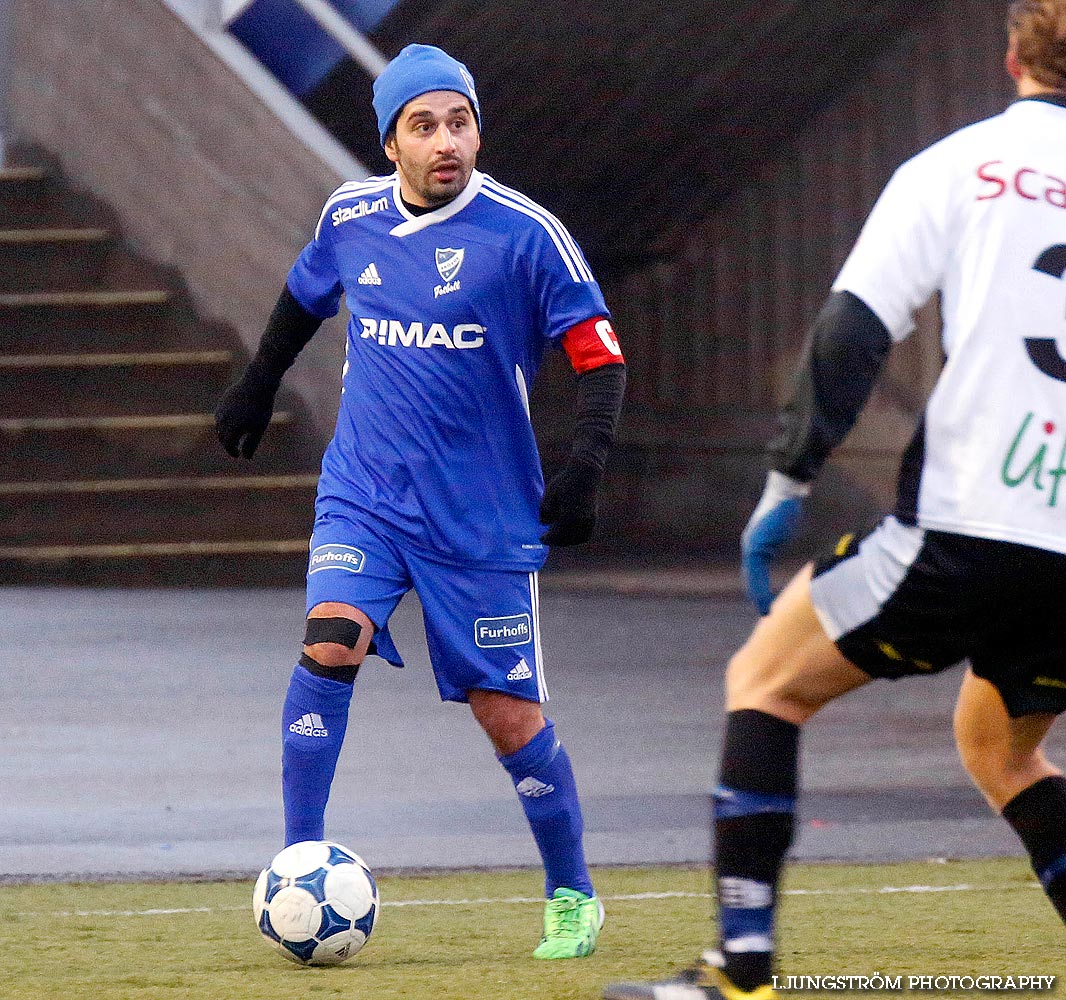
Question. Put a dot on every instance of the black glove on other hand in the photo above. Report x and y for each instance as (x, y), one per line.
(243, 413)
(569, 504)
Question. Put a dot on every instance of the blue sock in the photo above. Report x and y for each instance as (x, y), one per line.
(545, 784)
(313, 722)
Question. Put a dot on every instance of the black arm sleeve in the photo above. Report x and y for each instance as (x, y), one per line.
(287, 332)
(601, 392)
(844, 353)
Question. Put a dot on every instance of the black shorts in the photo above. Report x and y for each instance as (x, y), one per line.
(905, 601)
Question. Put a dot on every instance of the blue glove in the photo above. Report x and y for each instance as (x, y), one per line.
(773, 523)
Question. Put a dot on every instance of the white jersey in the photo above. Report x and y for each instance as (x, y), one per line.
(981, 217)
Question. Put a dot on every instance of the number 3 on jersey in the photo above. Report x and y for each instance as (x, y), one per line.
(1044, 351)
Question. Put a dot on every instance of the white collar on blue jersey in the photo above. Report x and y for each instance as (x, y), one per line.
(415, 223)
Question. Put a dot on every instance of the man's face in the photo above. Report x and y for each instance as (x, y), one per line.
(434, 146)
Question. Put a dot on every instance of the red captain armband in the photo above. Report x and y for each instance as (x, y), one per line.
(592, 344)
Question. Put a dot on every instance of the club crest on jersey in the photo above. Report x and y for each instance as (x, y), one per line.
(448, 261)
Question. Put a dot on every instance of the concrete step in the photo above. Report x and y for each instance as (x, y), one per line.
(269, 563)
(107, 447)
(101, 522)
(64, 259)
(72, 259)
(133, 384)
(57, 298)
(21, 175)
(58, 323)
(36, 197)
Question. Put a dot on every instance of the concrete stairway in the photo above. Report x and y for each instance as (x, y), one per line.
(110, 472)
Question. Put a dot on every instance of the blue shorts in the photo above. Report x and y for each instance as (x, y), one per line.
(482, 625)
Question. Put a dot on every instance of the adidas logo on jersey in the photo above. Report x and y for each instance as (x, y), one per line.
(310, 725)
(533, 789)
(370, 275)
(521, 671)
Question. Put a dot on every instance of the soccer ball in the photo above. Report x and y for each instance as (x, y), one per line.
(316, 903)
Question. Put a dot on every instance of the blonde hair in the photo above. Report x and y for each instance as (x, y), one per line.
(1038, 28)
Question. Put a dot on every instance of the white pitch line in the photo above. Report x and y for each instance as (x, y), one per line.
(531, 900)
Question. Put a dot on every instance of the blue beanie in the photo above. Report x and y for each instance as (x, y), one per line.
(417, 70)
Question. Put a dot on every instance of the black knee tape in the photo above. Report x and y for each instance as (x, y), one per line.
(345, 675)
(343, 631)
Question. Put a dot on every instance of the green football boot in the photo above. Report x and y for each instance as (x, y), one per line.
(572, 923)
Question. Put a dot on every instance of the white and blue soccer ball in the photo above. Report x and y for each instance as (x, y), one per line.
(316, 903)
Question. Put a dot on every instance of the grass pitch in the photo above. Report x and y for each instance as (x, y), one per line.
(471, 935)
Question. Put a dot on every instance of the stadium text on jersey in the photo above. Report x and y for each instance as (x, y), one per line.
(358, 210)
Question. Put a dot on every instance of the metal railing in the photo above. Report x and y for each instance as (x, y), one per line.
(210, 18)
(345, 34)
(216, 14)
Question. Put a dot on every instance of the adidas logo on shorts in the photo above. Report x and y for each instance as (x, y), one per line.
(520, 672)
(370, 275)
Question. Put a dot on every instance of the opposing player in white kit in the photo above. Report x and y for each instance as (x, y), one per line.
(972, 565)
(456, 286)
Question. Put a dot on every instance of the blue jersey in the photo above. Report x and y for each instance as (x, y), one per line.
(450, 315)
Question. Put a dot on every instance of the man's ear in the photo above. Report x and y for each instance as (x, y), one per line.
(390, 147)
(1011, 62)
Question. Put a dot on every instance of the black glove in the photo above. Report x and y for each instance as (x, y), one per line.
(244, 411)
(569, 504)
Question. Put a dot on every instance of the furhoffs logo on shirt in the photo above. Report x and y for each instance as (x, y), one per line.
(512, 630)
(333, 556)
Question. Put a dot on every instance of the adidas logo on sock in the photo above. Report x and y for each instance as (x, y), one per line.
(370, 275)
(533, 789)
(521, 671)
(310, 725)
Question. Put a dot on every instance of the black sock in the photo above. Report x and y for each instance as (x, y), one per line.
(753, 825)
(1038, 816)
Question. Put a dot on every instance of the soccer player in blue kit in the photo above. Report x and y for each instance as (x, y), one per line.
(456, 285)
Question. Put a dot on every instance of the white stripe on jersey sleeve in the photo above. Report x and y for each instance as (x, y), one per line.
(575, 262)
(353, 189)
(556, 224)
